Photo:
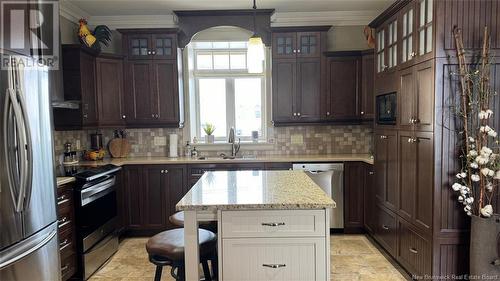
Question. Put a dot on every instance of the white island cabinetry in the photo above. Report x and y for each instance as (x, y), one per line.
(273, 225)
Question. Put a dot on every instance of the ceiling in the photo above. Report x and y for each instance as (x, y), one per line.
(162, 7)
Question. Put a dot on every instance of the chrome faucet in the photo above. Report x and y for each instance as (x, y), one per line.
(234, 147)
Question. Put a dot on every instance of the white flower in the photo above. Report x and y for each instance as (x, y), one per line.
(492, 133)
(489, 113)
(460, 198)
(474, 165)
(497, 175)
(487, 211)
(486, 151)
(482, 160)
(469, 200)
(469, 213)
(475, 178)
(467, 208)
(471, 139)
(487, 172)
(485, 129)
(473, 153)
(461, 175)
(482, 115)
(456, 186)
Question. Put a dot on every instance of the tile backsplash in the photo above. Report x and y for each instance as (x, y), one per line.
(285, 140)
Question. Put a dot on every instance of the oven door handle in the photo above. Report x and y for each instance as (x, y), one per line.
(97, 191)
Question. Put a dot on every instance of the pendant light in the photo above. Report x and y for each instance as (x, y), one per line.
(255, 52)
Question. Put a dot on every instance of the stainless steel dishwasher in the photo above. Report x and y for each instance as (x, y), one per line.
(330, 177)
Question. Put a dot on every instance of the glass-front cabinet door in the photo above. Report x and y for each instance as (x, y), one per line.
(392, 44)
(380, 50)
(308, 44)
(164, 46)
(139, 46)
(424, 28)
(407, 31)
(284, 45)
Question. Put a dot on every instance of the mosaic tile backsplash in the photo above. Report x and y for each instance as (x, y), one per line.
(311, 140)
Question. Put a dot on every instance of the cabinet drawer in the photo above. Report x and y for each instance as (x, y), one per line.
(274, 259)
(66, 244)
(65, 219)
(280, 223)
(386, 229)
(414, 250)
(68, 267)
(64, 197)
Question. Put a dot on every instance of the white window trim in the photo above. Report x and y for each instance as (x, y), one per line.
(230, 95)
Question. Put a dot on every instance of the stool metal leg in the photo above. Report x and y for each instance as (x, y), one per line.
(206, 270)
(158, 273)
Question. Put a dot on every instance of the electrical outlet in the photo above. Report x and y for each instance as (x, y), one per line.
(297, 139)
(160, 141)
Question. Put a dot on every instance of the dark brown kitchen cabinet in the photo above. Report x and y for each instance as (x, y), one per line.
(66, 230)
(415, 178)
(386, 229)
(416, 97)
(414, 250)
(354, 182)
(152, 191)
(152, 78)
(369, 199)
(343, 89)
(109, 84)
(79, 82)
(143, 45)
(367, 98)
(298, 74)
(386, 165)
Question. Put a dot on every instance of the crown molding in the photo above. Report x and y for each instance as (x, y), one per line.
(135, 21)
(335, 18)
(71, 12)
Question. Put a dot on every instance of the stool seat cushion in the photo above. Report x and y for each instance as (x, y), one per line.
(170, 244)
(177, 219)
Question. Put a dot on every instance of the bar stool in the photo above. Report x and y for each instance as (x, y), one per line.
(177, 219)
(167, 249)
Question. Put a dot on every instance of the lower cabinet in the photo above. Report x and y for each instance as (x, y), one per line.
(354, 181)
(66, 230)
(151, 193)
(385, 229)
(293, 248)
(414, 250)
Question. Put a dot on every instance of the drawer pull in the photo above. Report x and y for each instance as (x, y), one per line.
(64, 244)
(273, 265)
(273, 224)
(62, 222)
(64, 268)
(62, 199)
(385, 227)
(413, 250)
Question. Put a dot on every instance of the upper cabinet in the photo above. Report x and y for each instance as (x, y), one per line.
(151, 46)
(298, 74)
(152, 78)
(109, 86)
(424, 29)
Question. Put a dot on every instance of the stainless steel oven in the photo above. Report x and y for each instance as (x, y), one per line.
(95, 218)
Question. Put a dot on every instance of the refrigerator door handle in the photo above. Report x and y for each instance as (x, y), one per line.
(28, 160)
(11, 106)
(25, 248)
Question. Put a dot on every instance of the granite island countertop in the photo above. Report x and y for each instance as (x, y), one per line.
(254, 190)
(145, 160)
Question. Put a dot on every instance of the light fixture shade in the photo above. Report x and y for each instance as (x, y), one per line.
(255, 55)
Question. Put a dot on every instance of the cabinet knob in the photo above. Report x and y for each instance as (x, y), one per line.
(153, 52)
(124, 116)
(416, 121)
(298, 114)
(412, 54)
(383, 137)
(85, 116)
(294, 114)
(328, 113)
(371, 173)
(149, 52)
(385, 227)
(294, 51)
(298, 51)
(362, 113)
(157, 116)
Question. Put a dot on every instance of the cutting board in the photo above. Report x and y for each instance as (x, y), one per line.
(119, 147)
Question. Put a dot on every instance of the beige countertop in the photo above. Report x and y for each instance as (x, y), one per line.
(64, 180)
(254, 190)
(278, 158)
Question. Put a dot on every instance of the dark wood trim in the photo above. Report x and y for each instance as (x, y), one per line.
(343, 53)
(147, 30)
(301, 28)
(368, 52)
(238, 12)
(389, 12)
(110, 56)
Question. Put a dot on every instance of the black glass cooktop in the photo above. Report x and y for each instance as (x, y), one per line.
(86, 173)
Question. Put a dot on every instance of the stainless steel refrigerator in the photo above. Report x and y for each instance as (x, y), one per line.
(29, 247)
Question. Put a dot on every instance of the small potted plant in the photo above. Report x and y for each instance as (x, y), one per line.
(209, 130)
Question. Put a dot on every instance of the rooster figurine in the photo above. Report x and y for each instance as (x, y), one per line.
(93, 40)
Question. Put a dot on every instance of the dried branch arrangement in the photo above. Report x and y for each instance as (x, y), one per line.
(479, 179)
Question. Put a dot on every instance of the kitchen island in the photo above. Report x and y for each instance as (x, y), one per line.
(273, 225)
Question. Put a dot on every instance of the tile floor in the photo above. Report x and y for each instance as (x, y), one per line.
(353, 257)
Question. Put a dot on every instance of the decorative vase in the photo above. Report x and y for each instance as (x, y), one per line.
(209, 138)
(485, 248)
